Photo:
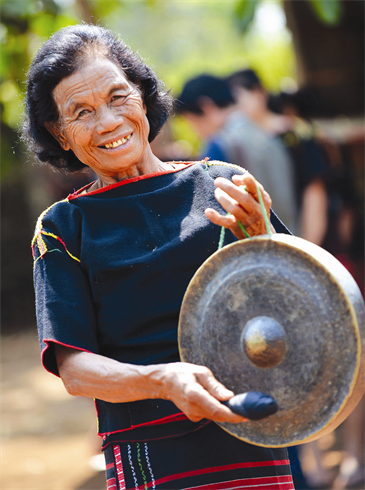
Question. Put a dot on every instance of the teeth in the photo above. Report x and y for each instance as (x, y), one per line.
(117, 143)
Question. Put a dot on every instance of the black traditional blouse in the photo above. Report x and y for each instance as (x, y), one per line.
(111, 268)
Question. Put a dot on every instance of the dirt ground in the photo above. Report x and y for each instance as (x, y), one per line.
(47, 436)
(49, 441)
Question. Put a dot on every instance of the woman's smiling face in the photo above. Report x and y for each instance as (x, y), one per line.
(102, 119)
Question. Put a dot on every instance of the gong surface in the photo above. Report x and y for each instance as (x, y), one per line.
(281, 316)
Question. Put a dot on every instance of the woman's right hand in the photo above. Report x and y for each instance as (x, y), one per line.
(194, 390)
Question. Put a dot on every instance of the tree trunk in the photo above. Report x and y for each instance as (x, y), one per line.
(330, 58)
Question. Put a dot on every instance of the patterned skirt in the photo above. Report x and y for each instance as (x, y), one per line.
(208, 459)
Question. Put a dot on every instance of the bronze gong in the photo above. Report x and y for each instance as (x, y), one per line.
(279, 315)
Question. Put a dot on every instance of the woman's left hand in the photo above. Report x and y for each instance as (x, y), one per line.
(243, 206)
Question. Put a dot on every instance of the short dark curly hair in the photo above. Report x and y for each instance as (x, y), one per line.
(217, 89)
(62, 55)
(246, 78)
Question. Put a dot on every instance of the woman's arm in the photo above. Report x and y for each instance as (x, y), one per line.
(243, 205)
(192, 388)
(314, 212)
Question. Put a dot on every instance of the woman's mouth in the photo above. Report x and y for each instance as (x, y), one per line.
(117, 143)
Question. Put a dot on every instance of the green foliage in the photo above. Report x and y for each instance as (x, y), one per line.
(327, 11)
(244, 13)
(183, 132)
(100, 9)
(183, 39)
(24, 25)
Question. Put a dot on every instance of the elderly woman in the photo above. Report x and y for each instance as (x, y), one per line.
(113, 260)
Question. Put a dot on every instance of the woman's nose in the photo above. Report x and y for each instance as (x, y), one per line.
(107, 120)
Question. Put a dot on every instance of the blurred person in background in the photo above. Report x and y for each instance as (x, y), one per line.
(345, 240)
(307, 157)
(326, 180)
(310, 160)
(352, 467)
(208, 104)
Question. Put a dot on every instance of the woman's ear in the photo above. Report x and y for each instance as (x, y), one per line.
(56, 132)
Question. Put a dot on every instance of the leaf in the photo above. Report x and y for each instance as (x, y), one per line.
(42, 24)
(244, 13)
(327, 11)
(15, 8)
(102, 8)
(50, 6)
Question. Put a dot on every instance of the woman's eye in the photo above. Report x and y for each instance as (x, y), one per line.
(118, 98)
(82, 113)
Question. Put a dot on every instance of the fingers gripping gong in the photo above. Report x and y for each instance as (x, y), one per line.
(241, 200)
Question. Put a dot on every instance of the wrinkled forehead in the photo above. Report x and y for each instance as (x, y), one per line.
(92, 60)
(94, 78)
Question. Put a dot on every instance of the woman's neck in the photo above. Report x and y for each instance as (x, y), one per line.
(272, 123)
(152, 165)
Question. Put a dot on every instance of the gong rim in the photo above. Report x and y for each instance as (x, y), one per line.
(333, 270)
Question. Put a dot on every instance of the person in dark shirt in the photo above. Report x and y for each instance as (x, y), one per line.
(283, 121)
(112, 262)
(229, 135)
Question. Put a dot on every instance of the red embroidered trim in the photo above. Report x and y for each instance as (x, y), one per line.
(111, 484)
(127, 181)
(47, 341)
(164, 420)
(157, 438)
(253, 464)
(267, 482)
(43, 249)
(119, 467)
(176, 417)
(79, 191)
(39, 229)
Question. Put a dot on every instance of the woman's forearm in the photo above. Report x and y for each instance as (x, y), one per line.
(94, 376)
(192, 388)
